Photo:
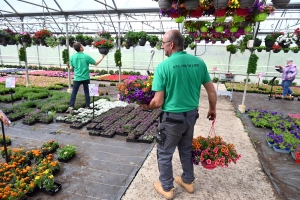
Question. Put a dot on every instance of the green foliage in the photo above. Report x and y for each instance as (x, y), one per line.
(133, 36)
(252, 64)
(51, 42)
(65, 56)
(22, 54)
(111, 71)
(248, 80)
(152, 38)
(188, 39)
(142, 35)
(215, 80)
(243, 42)
(79, 38)
(265, 81)
(118, 57)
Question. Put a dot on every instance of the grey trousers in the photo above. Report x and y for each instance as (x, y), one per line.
(178, 129)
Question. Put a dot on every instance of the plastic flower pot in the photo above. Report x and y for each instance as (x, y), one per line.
(276, 50)
(207, 166)
(261, 17)
(242, 12)
(196, 13)
(220, 19)
(191, 4)
(104, 50)
(248, 29)
(203, 29)
(233, 29)
(191, 29)
(246, 3)
(220, 13)
(179, 19)
(280, 3)
(165, 4)
(237, 18)
(174, 15)
(219, 29)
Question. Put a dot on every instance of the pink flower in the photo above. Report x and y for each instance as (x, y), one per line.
(208, 161)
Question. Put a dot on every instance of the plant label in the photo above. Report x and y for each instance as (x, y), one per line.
(93, 90)
(4, 118)
(10, 82)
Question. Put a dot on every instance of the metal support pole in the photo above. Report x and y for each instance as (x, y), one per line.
(229, 63)
(18, 53)
(26, 67)
(119, 45)
(1, 57)
(38, 54)
(5, 146)
(59, 56)
(67, 45)
(268, 64)
(133, 57)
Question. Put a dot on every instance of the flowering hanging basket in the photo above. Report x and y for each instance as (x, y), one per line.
(246, 3)
(237, 18)
(196, 13)
(261, 17)
(203, 29)
(179, 19)
(174, 15)
(248, 29)
(191, 4)
(233, 29)
(165, 4)
(220, 13)
(219, 29)
(220, 19)
(242, 12)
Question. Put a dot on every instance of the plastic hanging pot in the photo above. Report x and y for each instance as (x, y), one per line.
(220, 19)
(191, 4)
(242, 12)
(203, 29)
(219, 29)
(261, 17)
(191, 29)
(179, 19)
(220, 4)
(237, 18)
(246, 3)
(165, 4)
(196, 13)
(220, 12)
(233, 29)
(280, 3)
(248, 29)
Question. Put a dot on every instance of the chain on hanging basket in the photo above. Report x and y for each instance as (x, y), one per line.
(213, 151)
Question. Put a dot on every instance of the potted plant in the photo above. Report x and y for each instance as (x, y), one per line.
(142, 36)
(25, 38)
(270, 39)
(192, 46)
(49, 147)
(103, 46)
(260, 48)
(66, 153)
(104, 35)
(187, 40)
(297, 154)
(47, 118)
(41, 35)
(131, 38)
(51, 42)
(284, 40)
(153, 39)
(276, 48)
(118, 57)
(286, 50)
(252, 64)
(294, 49)
(79, 38)
(45, 181)
(28, 120)
(2, 152)
(232, 48)
(65, 56)
(209, 151)
(62, 40)
(7, 140)
(71, 40)
(257, 42)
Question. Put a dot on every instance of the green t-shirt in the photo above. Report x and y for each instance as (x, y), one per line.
(80, 62)
(181, 77)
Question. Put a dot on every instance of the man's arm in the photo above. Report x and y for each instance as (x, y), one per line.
(157, 101)
(212, 99)
(68, 65)
(99, 61)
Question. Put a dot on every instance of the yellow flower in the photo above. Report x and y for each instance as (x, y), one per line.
(37, 178)
(119, 62)
(148, 84)
(51, 176)
(46, 171)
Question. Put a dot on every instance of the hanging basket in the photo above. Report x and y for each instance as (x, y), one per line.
(196, 13)
(220, 12)
(260, 17)
(233, 29)
(191, 4)
(142, 42)
(203, 29)
(220, 19)
(276, 50)
(179, 19)
(174, 15)
(165, 4)
(248, 29)
(219, 29)
(237, 18)
(257, 43)
(233, 51)
(242, 12)
(246, 3)
(269, 43)
(220, 4)
(104, 50)
(280, 3)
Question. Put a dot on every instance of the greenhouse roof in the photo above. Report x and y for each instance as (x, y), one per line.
(91, 16)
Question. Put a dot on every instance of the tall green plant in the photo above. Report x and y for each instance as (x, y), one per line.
(22, 54)
(65, 56)
(252, 64)
(118, 56)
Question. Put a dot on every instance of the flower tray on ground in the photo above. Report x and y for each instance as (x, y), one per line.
(122, 134)
(55, 171)
(54, 191)
(77, 125)
(276, 149)
(146, 141)
(293, 155)
(28, 123)
(91, 126)
(60, 121)
(7, 143)
(278, 97)
(132, 140)
(69, 122)
(289, 98)
(66, 160)
(46, 152)
(95, 133)
(34, 191)
(46, 122)
(103, 134)
(270, 143)
(15, 119)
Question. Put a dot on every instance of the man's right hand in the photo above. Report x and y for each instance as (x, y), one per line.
(103, 55)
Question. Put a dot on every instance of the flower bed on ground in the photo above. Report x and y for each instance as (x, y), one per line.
(112, 77)
(54, 73)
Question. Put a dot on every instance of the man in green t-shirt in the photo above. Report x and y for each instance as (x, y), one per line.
(177, 85)
(80, 63)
